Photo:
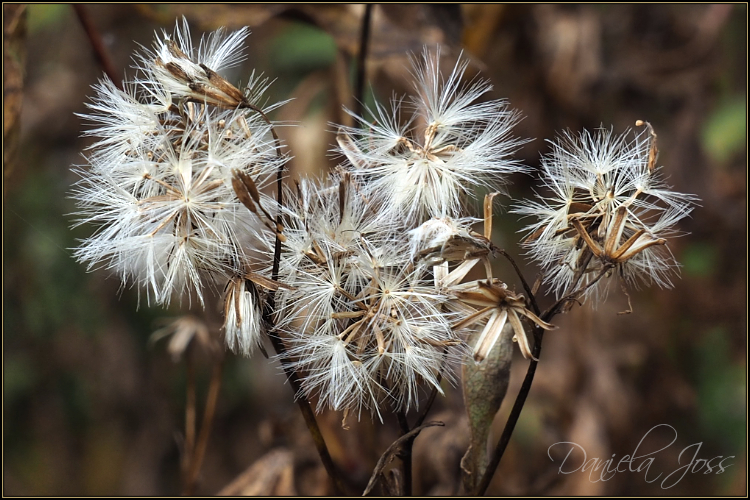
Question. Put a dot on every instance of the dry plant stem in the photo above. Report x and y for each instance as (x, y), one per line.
(208, 416)
(309, 415)
(278, 345)
(515, 413)
(406, 451)
(526, 287)
(189, 416)
(405, 454)
(100, 52)
(359, 85)
(383, 461)
(430, 401)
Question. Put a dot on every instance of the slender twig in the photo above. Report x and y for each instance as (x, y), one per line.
(189, 415)
(558, 306)
(515, 413)
(525, 284)
(406, 450)
(364, 41)
(430, 401)
(382, 462)
(403, 423)
(309, 416)
(100, 52)
(208, 416)
(405, 454)
(278, 344)
(269, 309)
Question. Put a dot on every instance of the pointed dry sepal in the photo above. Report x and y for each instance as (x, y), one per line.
(488, 215)
(500, 305)
(248, 194)
(653, 151)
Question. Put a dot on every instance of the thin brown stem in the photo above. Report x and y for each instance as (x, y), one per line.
(429, 403)
(383, 461)
(100, 52)
(189, 416)
(406, 450)
(405, 454)
(526, 286)
(364, 41)
(278, 344)
(280, 348)
(309, 415)
(208, 416)
(558, 306)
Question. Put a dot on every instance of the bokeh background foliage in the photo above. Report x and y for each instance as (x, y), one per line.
(90, 407)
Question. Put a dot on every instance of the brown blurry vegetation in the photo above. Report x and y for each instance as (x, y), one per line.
(91, 408)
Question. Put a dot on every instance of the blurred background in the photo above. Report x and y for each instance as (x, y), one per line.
(91, 407)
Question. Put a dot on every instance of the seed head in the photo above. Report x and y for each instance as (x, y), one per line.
(158, 184)
(608, 211)
(425, 165)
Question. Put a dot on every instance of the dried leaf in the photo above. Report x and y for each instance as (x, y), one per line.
(270, 475)
(484, 387)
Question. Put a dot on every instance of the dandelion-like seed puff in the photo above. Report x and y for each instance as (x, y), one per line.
(363, 323)
(450, 144)
(609, 212)
(159, 181)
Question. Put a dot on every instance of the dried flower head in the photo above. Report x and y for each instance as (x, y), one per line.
(243, 317)
(608, 212)
(159, 181)
(364, 324)
(449, 145)
(185, 72)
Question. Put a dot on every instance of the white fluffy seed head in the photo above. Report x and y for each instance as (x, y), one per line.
(591, 178)
(158, 185)
(449, 145)
(365, 326)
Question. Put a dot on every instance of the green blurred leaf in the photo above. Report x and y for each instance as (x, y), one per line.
(43, 15)
(302, 48)
(724, 133)
(722, 389)
(699, 260)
